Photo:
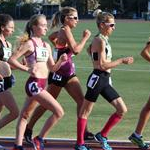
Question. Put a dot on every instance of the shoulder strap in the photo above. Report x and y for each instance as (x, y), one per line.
(44, 44)
(7, 44)
(1, 43)
(35, 45)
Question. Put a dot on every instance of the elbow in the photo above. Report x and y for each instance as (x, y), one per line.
(76, 50)
(103, 68)
(10, 60)
(53, 69)
(103, 65)
(76, 53)
(10, 63)
(142, 54)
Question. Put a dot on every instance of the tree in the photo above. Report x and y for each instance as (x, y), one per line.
(120, 4)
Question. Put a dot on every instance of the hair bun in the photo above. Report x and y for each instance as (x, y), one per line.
(96, 12)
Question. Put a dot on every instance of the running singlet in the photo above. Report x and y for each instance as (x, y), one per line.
(67, 68)
(107, 49)
(40, 54)
(5, 52)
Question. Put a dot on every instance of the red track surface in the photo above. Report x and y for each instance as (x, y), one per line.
(68, 144)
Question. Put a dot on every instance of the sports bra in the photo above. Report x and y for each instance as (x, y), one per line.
(40, 54)
(68, 67)
(5, 52)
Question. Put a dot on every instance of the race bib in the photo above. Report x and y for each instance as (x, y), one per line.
(93, 81)
(57, 77)
(7, 53)
(34, 89)
(42, 54)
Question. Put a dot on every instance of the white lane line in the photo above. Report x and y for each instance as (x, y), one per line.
(119, 69)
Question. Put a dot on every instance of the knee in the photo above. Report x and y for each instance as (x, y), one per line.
(122, 111)
(125, 110)
(14, 114)
(121, 108)
(25, 115)
(59, 114)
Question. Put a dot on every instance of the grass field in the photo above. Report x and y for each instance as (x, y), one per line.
(132, 82)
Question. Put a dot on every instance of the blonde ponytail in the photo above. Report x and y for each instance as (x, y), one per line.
(96, 12)
(55, 20)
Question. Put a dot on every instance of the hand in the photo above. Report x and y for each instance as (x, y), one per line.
(32, 71)
(63, 57)
(23, 61)
(87, 33)
(127, 60)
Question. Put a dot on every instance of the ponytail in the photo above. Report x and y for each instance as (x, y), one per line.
(56, 20)
(96, 12)
(28, 29)
(59, 17)
(25, 36)
(102, 16)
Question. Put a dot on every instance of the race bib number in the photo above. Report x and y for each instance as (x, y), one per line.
(1, 85)
(42, 53)
(34, 89)
(7, 53)
(57, 77)
(93, 81)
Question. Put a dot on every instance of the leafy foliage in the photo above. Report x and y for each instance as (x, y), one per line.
(125, 8)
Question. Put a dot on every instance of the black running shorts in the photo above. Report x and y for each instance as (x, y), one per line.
(59, 80)
(98, 83)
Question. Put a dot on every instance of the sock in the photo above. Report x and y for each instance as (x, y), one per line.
(137, 135)
(81, 124)
(113, 120)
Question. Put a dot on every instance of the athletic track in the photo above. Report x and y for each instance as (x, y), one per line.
(68, 144)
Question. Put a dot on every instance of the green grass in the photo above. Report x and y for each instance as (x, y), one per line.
(132, 82)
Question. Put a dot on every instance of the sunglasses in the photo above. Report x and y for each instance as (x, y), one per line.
(73, 17)
(110, 24)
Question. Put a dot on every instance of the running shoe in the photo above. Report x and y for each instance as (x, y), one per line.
(138, 141)
(82, 147)
(28, 135)
(17, 147)
(38, 143)
(88, 136)
(2, 147)
(103, 140)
